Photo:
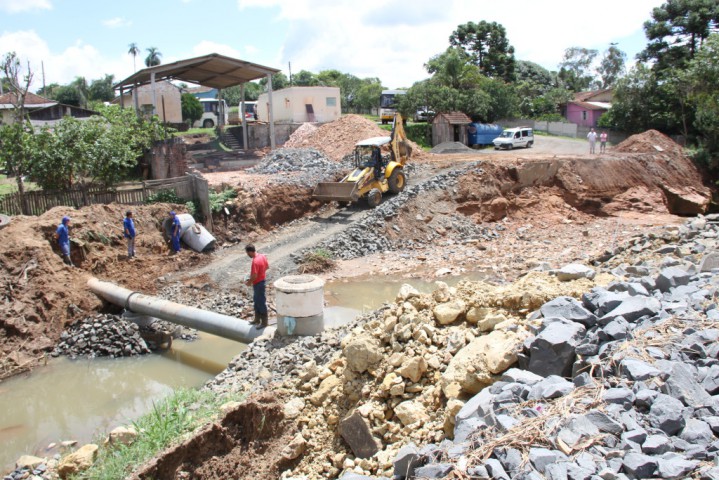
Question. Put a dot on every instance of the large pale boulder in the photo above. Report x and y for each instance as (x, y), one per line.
(407, 291)
(475, 365)
(448, 312)
(325, 390)
(122, 435)
(362, 352)
(413, 368)
(411, 412)
(28, 461)
(77, 461)
(442, 293)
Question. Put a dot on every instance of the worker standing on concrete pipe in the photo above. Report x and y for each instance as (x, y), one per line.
(257, 281)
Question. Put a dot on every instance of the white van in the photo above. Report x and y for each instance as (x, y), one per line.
(514, 138)
(212, 109)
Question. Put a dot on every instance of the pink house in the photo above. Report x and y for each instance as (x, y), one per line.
(587, 107)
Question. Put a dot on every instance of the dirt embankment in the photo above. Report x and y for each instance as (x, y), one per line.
(41, 295)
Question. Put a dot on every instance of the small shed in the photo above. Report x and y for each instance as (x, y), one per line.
(450, 127)
(301, 104)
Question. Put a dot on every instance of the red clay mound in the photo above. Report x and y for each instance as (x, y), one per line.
(337, 139)
(650, 141)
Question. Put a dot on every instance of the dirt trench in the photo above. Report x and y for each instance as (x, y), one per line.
(248, 442)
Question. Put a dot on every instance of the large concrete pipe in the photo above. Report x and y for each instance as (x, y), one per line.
(210, 322)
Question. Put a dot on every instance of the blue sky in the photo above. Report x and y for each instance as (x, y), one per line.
(388, 39)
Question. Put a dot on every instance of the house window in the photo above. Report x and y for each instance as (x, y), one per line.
(584, 115)
(331, 101)
(146, 109)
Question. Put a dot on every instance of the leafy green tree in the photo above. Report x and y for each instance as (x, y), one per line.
(487, 46)
(677, 30)
(191, 108)
(279, 81)
(153, 57)
(48, 91)
(68, 95)
(101, 90)
(367, 95)
(575, 68)
(303, 78)
(702, 77)
(611, 68)
(134, 51)
(453, 69)
(232, 94)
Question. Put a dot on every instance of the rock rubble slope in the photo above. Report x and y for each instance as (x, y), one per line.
(589, 371)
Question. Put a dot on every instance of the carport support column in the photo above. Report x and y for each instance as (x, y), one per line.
(243, 119)
(154, 94)
(135, 95)
(271, 115)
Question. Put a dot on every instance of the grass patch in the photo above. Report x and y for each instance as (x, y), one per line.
(195, 131)
(9, 185)
(168, 422)
(317, 261)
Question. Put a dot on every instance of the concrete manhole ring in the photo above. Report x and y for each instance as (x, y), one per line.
(4, 220)
(299, 283)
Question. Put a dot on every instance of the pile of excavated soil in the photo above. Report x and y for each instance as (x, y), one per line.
(650, 141)
(252, 440)
(40, 295)
(299, 138)
(337, 139)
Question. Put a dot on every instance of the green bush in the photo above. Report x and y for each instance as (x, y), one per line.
(218, 199)
(164, 196)
(420, 133)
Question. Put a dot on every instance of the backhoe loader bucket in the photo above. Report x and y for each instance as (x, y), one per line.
(336, 191)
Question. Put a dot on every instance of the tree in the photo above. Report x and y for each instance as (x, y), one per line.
(453, 69)
(134, 51)
(232, 94)
(575, 68)
(16, 139)
(191, 108)
(279, 81)
(702, 77)
(677, 30)
(153, 57)
(101, 90)
(303, 78)
(487, 46)
(367, 95)
(68, 95)
(80, 84)
(611, 68)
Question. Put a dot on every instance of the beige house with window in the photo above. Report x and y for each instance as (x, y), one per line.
(169, 103)
(301, 104)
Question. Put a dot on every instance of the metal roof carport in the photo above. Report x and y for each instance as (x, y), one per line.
(213, 70)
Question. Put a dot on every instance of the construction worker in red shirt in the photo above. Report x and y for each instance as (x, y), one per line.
(257, 281)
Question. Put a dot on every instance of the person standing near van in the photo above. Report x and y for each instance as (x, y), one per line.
(128, 226)
(592, 137)
(603, 142)
(258, 272)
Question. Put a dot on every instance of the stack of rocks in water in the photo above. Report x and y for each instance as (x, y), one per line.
(368, 236)
(623, 384)
(299, 166)
(102, 335)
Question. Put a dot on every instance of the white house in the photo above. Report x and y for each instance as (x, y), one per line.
(301, 104)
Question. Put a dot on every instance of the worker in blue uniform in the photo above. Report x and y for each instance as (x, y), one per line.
(62, 236)
(176, 232)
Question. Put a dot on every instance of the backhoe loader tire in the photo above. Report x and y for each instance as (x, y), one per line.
(374, 197)
(397, 181)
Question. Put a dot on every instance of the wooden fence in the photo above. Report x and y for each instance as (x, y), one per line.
(38, 202)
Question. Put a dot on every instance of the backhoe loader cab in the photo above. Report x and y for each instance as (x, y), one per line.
(374, 173)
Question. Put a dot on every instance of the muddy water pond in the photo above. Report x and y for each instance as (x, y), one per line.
(83, 398)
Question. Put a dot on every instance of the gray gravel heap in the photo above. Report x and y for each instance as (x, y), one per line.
(367, 235)
(622, 384)
(300, 166)
(102, 336)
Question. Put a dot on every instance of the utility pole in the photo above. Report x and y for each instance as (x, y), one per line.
(289, 67)
(42, 66)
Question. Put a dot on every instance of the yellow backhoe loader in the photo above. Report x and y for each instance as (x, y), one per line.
(374, 174)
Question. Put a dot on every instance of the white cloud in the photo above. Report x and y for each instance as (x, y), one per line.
(16, 6)
(393, 39)
(62, 67)
(117, 22)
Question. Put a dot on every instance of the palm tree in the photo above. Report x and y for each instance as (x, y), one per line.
(153, 57)
(134, 51)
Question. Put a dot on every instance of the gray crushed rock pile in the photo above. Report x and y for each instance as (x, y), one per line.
(366, 236)
(300, 166)
(622, 384)
(102, 336)
(228, 303)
